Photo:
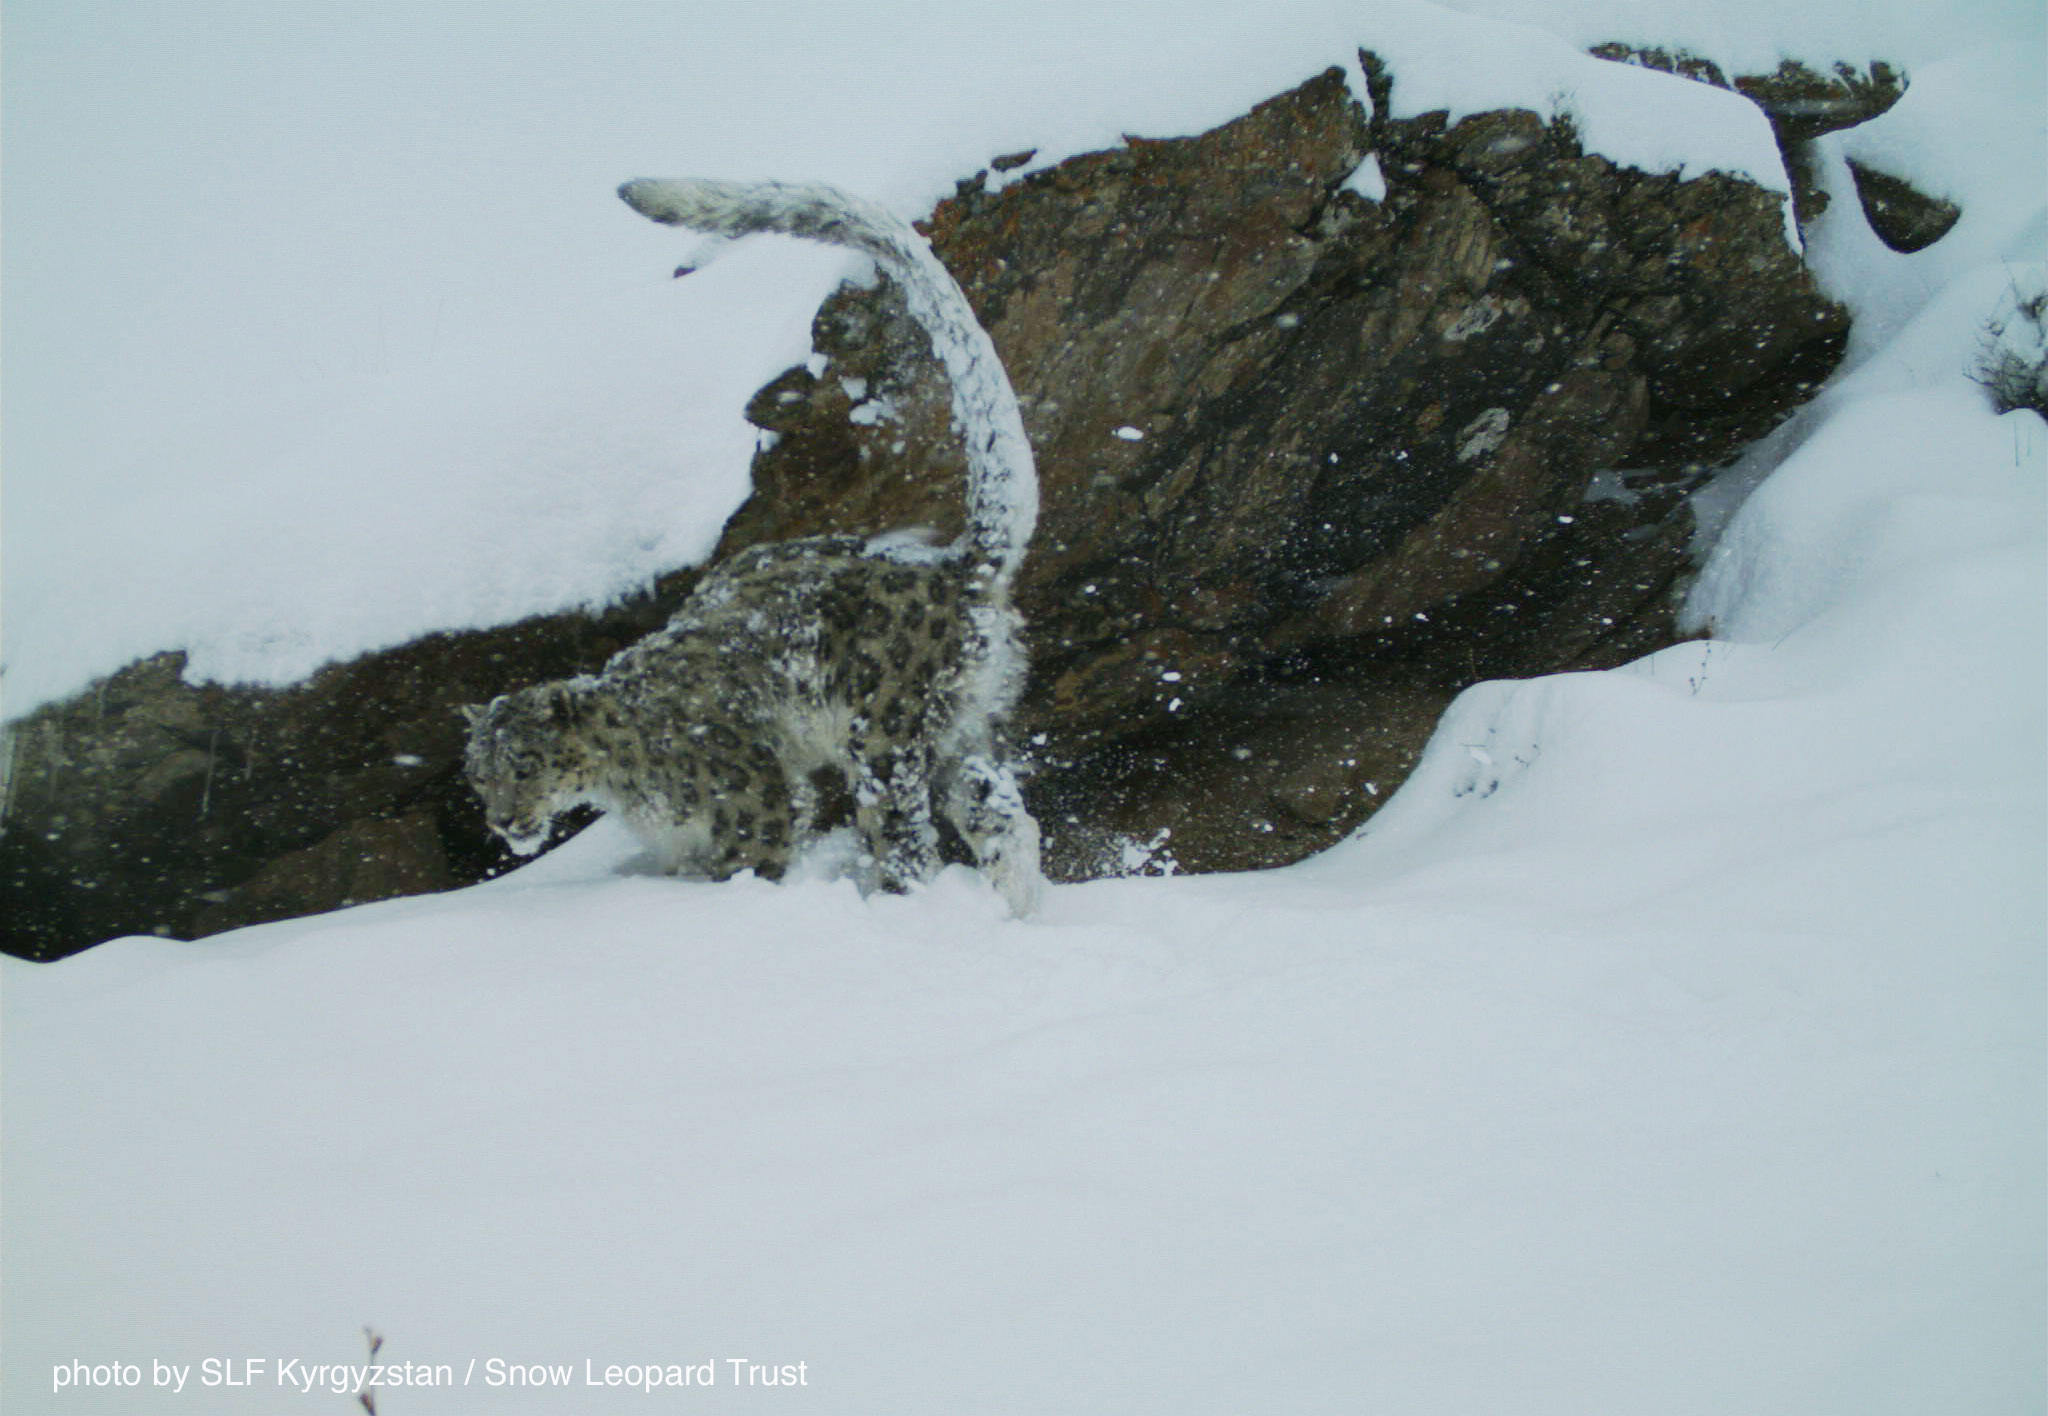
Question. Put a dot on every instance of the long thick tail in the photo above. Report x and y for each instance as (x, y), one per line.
(1002, 481)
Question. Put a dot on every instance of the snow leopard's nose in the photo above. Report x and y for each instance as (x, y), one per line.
(524, 837)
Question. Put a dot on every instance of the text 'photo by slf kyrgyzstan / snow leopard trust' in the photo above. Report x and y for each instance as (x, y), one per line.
(810, 672)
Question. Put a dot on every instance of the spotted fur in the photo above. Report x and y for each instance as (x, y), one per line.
(812, 683)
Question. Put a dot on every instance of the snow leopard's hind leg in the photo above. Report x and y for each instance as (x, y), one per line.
(986, 806)
(892, 816)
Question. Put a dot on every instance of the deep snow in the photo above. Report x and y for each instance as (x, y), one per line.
(1673, 1042)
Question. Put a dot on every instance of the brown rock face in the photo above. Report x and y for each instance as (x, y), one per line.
(1312, 463)
(148, 805)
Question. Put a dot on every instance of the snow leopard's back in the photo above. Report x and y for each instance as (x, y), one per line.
(821, 627)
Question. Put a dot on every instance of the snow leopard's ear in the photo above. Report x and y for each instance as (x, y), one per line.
(473, 713)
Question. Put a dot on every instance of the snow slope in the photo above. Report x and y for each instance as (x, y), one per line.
(1673, 1042)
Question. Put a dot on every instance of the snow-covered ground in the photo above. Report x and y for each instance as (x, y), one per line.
(1673, 1042)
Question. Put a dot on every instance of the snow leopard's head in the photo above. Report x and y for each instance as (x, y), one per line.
(523, 763)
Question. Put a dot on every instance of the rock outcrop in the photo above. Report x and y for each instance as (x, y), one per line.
(1313, 461)
(149, 805)
(1316, 455)
(1801, 103)
(1904, 217)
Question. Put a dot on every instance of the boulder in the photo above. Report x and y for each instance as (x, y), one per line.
(1904, 217)
(1313, 461)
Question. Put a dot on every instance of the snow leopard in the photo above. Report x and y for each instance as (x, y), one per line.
(812, 683)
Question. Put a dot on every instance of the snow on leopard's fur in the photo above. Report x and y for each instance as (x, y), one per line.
(813, 679)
